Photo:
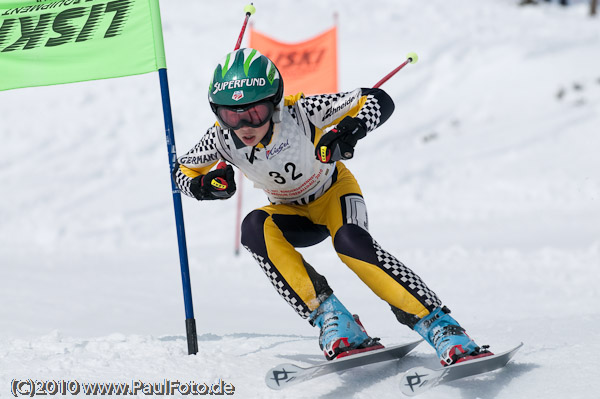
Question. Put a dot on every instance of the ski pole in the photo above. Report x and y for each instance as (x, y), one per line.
(250, 9)
(411, 58)
(325, 152)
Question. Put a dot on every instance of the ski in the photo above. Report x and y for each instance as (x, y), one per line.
(287, 374)
(420, 379)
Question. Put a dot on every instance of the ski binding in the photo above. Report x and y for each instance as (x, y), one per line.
(420, 379)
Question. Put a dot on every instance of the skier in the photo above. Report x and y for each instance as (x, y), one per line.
(292, 149)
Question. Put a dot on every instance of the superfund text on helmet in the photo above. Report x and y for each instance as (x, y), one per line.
(245, 76)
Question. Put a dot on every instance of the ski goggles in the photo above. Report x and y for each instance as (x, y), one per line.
(253, 115)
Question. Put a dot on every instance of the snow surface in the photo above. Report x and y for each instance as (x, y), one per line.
(484, 181)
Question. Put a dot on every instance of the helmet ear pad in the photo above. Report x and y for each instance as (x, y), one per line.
(278, 101)
(277, 113)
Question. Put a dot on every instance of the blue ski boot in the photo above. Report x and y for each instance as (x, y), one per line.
(342, 334)
(448, 338)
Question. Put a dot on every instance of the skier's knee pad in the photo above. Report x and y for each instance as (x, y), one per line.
(352, 240)
(253, 230)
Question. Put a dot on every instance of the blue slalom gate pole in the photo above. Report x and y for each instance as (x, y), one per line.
(190, 322)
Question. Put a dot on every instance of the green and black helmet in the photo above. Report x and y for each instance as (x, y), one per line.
(243, 79)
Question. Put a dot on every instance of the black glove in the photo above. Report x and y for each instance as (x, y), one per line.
(340, 141)
(216, 184)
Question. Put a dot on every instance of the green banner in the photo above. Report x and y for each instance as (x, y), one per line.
(47, 42)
